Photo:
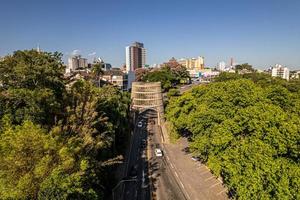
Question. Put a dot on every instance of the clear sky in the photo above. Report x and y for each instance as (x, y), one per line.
(260, 32)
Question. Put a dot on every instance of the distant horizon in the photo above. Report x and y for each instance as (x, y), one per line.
(261, 33)
(90, 60)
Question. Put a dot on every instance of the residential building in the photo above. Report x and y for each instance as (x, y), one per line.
(221, 66)
(105, 66)
(295, 74)
(75, 63)
(135, 56)
(280, 71)
(116, 77)
(192, 63)
(208, 74)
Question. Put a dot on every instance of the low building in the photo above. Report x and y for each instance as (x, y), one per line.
(208, 74)
(105, 66)
(295, 74)
(194, 73)
(280, 71)
(116, 77)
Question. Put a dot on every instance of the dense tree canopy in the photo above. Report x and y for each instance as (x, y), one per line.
(244, 66)
(170, 74)
(32, 87)
(57, 142)
(247, 131)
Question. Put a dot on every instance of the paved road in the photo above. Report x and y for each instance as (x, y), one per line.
(199, 183)
(137, 188)
(179, 177)
(165, 184)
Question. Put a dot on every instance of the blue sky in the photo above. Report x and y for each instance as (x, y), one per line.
(260, 32)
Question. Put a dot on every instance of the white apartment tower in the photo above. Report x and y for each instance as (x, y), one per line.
(280, 71)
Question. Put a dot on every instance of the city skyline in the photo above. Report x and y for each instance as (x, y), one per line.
(261, 33)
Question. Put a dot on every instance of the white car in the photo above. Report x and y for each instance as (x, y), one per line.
(158, 153)
(140, 124)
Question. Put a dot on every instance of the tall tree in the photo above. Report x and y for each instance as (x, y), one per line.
(98, 71)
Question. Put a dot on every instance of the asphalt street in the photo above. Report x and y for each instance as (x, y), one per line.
(137, 184)
(165, 185)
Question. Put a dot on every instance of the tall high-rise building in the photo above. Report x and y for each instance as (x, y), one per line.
(231, 62)
(280, 71)
(76, 62)
(135, 56)
(193, 63)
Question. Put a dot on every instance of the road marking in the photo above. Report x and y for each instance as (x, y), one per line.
(188, 196)
(167, 158)
(204, 172)
(209, 178)
(176, 174)
(201, 169)
(172, 165)
(221, 192)
(220, 180)
(181, 184)
(218, 183)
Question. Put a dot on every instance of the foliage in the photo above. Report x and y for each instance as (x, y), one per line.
(173, 92)
(57, 143)
(162, 76)
(171, 74)
(32, 87)
(246, 131)
(244, 66)
(97, 71)
(140, 73)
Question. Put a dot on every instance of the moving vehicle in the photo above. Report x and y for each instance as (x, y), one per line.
(143, 143)
(140, 124)
(133, 171)
(158, 153)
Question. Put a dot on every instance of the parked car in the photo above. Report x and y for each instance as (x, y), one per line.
(195, 158)
(158, 153)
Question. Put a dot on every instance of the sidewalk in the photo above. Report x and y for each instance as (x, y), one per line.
(196, 179)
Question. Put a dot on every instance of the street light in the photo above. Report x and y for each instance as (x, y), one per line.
(122, 181)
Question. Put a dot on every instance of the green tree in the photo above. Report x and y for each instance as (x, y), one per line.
(98, 71)
(32, 86)
(57, 142)
(245, 66)
(246, 131)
